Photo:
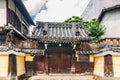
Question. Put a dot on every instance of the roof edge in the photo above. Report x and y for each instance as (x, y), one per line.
(107, 10)
(24, 11)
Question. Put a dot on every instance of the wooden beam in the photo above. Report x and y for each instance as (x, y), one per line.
(73, 62)
(12, 69)
(7, 12)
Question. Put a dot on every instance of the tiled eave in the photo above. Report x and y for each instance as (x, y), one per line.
(66, 40)
(24, 50)
(10, 27)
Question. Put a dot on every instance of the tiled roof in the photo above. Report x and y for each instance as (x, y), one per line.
(60, 31)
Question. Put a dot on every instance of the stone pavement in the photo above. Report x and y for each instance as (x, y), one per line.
(62, 77)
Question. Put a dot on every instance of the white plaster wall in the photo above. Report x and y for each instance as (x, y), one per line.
(20, 65)
(4, 61)
(99, 66)
(28, 57)
(111, 20)
(2, 13)
(116, 65)
(95, 7)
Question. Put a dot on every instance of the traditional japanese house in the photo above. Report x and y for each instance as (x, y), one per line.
(107, 61)
(95, 7)
(65, 47)
(14, 26)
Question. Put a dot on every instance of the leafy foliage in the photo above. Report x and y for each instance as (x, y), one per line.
(96, 29)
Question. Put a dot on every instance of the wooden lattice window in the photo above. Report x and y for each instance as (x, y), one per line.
(2, 39)
(83, 58)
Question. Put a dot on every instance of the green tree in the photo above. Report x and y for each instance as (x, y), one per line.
(95, 29)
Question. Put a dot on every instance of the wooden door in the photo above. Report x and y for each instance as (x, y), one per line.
(29, 67)
(12, 71)
(59, 63)
(39, 62)
(108, 65)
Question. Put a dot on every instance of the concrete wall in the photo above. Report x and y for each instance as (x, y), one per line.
(4, 61)
(20, 65)
(111, 20)
(2, 13)
(99, 66)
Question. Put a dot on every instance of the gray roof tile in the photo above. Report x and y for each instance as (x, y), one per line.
(61, 31)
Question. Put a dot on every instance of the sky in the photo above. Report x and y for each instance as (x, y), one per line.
(55, 10)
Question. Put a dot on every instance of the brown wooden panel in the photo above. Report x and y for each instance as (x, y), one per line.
(108, 66)
(12, 70)
(59, 62)
(82, 67)
(29, 67)
(39, 62)
(12, 64)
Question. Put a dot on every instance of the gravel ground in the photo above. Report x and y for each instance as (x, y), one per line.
(62, 77)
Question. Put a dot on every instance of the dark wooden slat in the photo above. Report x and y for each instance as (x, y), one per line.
(29, 67)
(12, 69)
(39, 63)
(108, 66)
(59, 62)
(82, 67)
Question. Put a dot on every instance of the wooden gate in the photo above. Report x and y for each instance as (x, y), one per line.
(59, 62)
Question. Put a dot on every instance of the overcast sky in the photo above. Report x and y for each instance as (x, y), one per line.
(55, 10)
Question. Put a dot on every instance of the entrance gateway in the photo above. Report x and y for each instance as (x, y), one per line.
(60, 42)
(58, 61)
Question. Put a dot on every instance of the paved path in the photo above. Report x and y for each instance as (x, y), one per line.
(62, 77)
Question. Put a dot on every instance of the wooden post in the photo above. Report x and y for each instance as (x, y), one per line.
(46, 62)
(12, 69)
(73, 62)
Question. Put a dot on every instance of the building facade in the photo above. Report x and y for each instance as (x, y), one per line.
(95, 7)
(14, 26)
(56, 47)
(107, 61)
(53, 47)
(61, 45)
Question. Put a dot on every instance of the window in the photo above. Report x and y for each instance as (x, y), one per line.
(25, 30)
(83, 58)
(2, 39)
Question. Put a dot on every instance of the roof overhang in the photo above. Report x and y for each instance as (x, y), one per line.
(24, 11)
(107, 10)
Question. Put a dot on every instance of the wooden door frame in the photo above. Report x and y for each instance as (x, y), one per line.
(108, 65)
(12, 68)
